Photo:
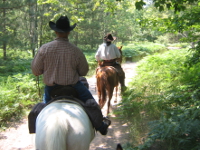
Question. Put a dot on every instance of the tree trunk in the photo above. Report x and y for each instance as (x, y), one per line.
(33, 27)
(4, 33)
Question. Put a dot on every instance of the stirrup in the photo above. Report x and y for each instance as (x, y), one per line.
(107, 121)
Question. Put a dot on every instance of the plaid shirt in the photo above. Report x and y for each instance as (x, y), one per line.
(60, 62)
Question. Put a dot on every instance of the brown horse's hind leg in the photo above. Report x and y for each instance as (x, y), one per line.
(116, 90)
(108, 109)
(101, 103)
(110, 94)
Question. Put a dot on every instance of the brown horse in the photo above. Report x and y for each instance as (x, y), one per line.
(107, 80)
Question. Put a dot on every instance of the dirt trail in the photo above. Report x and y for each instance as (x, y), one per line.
(18, 137)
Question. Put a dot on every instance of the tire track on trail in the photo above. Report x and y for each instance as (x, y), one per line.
(18, 137)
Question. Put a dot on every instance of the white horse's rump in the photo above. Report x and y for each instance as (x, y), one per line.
(63, 126)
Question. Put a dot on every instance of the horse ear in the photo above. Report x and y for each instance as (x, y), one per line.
(120, 47)
(119, 147)
(100, 63)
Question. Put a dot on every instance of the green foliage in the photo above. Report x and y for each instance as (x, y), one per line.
(17, 86)
(165, 95)
(161, 5)
(31, 30)
(194, 58)
(135, 52)
(18, 61)
(171, 39)
(174, 27)
(90, 56)
(18, 92)
(139, 4)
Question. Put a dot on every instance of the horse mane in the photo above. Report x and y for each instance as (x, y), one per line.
(62, 126)
(56, 130)
(119, 147)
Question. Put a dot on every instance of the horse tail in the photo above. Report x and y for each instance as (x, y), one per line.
(102, 87)
(56, 131)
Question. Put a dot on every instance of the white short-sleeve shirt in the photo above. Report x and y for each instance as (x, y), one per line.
(105, 52)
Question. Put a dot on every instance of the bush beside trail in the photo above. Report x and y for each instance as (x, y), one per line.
(162, 103)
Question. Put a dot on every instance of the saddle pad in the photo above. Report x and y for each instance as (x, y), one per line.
(33, 116)
(39, 106)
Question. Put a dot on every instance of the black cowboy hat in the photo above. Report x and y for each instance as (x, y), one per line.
(62, 25)
(108, 38)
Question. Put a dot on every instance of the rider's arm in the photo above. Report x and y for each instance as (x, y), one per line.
(37, 64)
(117, 52)
(98, 54)
(83, 66)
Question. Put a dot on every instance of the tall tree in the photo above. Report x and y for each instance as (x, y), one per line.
(10, 21)
(33, 25)
(4, 31)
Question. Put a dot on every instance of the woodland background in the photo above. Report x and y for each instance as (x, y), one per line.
(161, 105)
(24, 23)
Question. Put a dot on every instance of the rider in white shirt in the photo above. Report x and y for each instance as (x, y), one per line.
(108, 55)
(105, 52)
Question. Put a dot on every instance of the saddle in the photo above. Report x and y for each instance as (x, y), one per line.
(108, 66)
(69, 95)
(56, 95)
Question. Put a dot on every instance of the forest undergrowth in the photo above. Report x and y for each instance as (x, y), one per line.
(162, 103)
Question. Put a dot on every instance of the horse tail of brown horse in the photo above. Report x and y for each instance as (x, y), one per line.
(101, 84)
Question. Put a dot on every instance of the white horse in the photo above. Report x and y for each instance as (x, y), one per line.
(63, 126)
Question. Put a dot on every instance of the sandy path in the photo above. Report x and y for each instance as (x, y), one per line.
(18, 137)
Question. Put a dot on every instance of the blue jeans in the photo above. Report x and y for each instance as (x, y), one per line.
(83, 93)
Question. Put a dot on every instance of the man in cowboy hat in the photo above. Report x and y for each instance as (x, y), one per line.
(109, 54)
(62, 63)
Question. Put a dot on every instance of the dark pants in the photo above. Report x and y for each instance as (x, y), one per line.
(83, 93)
